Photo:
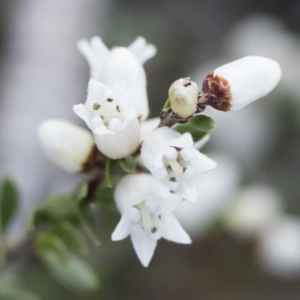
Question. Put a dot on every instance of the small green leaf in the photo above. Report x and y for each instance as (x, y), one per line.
(9, 201)
(58, 208)
(167, 105)
(48, 242)
(128, 164)
(203, 123)
(82, 191)
(74, 273)
(88, 221)
(71, 236)
(198, 126)
(105, 195)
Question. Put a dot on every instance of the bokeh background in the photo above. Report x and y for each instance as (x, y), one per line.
(42, 75)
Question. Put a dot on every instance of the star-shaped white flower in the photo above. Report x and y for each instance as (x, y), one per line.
(174, 162)
(114, 123)
(146, 216)
(109, 66)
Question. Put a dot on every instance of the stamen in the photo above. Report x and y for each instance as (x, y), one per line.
(176, 167)
(96, 106)
(170, 153)
(109, 100)
(146, 218)
(118, 108)
(186, 154)
(115, 124)
(134, 214)
(151, 206)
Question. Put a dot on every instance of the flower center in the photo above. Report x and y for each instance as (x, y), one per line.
(176, 162)
(146, 218)
(110, 113)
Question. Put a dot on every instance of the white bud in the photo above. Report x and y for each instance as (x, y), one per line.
(183, 95)
(236, 84)
(66, 144)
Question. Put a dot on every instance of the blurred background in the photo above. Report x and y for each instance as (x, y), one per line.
(246, 227)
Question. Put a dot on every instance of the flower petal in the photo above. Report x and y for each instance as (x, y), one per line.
(144, 247)
(95, 53)
(121, 143)
(188, 188)
(149, 126)
(81, 111)
(201, 162)
(122, 64)
(142, 50)
(123, 228)
(173, 231)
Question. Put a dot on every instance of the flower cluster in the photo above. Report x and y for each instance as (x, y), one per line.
(116, 110)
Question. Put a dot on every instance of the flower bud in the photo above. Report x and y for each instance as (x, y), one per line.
(236, 84)
(183, 95)
(66, 144)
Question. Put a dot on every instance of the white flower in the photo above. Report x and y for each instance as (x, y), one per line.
(279, 248)
(66, 144)
(146, 216)
(183, 95)
(113, 122)
(255, 208)
(236, 84)
(109, 66)
(174, 162)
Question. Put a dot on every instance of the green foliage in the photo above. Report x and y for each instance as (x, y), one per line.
(82, 191)
(128, 164)
(57, 208)
(71, 236)
(9, 202)
(73, 273)
(9, 291)
(198, 126)
(87, 219)
(105, 195)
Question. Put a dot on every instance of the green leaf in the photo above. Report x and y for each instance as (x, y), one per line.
(196, 134)
(88, 221)
(71, 236)
(58, 208)
(9, 290)
(105, 195)
(9, 202)
(167, 105)
(48, 242)
(82, 191)
(128, 164)
(73, 273)
(203, 123)
(16, 293)
(198, 126)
